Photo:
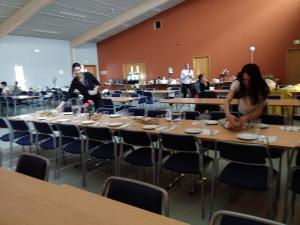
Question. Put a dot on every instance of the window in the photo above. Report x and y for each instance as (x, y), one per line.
(19, 72)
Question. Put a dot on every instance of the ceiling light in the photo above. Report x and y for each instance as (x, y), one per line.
(46, 31)
(36, 50)
(73, 14)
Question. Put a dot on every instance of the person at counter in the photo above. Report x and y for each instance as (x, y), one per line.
(200, 85)
(186, 78)
(252, 90)
(87, 84)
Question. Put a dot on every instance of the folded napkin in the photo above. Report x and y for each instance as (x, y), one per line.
(209, 132)
(267, 139)
(126, 125)
(289, 128)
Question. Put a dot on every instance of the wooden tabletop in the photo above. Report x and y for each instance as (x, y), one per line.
(25, 200)
(220, 101)
(285, 139)
(123, 99)
(24, 97)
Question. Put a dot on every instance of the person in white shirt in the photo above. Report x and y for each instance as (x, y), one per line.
(186, 78)
(252, 90)
(5, 90)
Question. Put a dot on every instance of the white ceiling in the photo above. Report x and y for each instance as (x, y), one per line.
(68, 19)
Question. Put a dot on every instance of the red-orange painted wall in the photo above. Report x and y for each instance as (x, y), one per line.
(222, 29)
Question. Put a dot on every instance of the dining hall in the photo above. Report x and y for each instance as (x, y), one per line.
(150, 112)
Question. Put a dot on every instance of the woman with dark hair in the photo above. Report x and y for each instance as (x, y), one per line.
(86, 83)
(252, 91)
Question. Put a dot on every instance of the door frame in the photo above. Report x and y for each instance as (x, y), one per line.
(203, 56)
(286, 62)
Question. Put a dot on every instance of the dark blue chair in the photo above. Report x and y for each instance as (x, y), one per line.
(156, 113)
(137, 111)
(3, 106)
(134, 95)
(102, 145)
(138, 194)
(224, 217)
(108, 110)
(33, 165)
(116, 94)
(185, 157)
(28, 138)
(75, 147)
(142, 152)
(191, 115)
(247, 168)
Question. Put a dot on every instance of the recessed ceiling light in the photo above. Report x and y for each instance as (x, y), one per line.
(46, 31)
(73, 14)
(36, 50)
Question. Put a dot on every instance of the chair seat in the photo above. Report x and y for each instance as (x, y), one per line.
(295, 185)
(246, 176)
(140, 157)
(17, 135)
(73, 147)
(49, 143)
(26, 140)
(104, 151)
(185, 163)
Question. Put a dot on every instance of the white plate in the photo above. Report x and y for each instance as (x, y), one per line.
(68, 113)
(63, 120)
(168, 119)
(149, 127)
(88, 122)
(115, 124)
(211, 122)
(43, 118)
(262, 125)
(246, 136)
(193, 130)
(114, 115)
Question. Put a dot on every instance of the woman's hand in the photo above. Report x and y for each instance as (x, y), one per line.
(243, 120)
(233, 122)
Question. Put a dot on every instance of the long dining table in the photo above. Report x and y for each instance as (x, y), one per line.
(26, 200)
(274, 136)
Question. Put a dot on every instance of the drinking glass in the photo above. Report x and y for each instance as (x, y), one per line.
(75, 110)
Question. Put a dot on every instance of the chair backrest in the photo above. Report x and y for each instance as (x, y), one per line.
(273, 119)
(116, 95)
(208, 94)
(69, 130)
(140, 92)
(142, 100)
(216, 115)
(137, 193)
(134, 95)
(191, 115)
(33, 165)
(43, 128)
(107, 103)
(183, 143)
(108, 110)
(156, 113)
(274, 97)
(3, 123)
(23, 93)
(19, 125)
(99, 133)
(148, 94)
(139, 138)
(224, 217)
(149, 89)
(137, 111)
(242, 152)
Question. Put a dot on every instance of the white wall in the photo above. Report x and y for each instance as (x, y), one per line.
(53, 60)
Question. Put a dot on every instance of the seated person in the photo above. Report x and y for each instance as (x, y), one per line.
(5, 89)
(200, 85)
(253, 92)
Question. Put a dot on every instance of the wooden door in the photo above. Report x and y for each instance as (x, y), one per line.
(92, 69)
(201, 66)
(293, 67)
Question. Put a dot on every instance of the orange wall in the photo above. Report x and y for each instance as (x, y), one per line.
(222, 29)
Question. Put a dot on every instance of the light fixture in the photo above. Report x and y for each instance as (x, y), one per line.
(252, 49)
(46, 31)
(36, 50)
(73, 14)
